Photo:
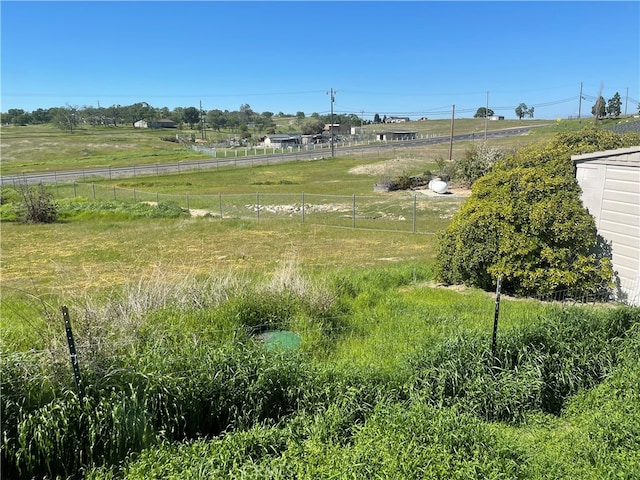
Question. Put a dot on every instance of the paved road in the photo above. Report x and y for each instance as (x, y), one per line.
(251, 160)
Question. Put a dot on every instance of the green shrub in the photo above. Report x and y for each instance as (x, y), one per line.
(526, 223)
(477, 161)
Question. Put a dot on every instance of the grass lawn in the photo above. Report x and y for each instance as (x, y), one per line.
(44, 148)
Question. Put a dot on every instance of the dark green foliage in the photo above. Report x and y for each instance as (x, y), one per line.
(536, 367)
(174, 395)
(525, 222)
(265, 312)
(406, 182)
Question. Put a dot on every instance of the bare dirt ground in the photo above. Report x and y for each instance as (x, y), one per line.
(397, 166)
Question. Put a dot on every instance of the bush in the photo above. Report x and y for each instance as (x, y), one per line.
(38, 203)
(525, 222)
(478, 160)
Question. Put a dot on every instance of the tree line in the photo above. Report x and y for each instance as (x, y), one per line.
(602, 108)
(238, 121)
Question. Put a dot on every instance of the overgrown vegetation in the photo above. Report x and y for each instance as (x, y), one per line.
(393, 378)
(477, 161)
(176, 382)
(37, 204)
(525, 223)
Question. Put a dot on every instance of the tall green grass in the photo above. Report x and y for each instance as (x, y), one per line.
(165, 362)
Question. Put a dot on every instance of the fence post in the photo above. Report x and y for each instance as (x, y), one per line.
(75, 192)
(302, 207)
(114, 192)
(414, 212)
(495, 318)
(220, 204)
(157, 196)
(72, 351)
(188, 202)
(93, 186)
(134, 196)
(258, 204)
(354, 210)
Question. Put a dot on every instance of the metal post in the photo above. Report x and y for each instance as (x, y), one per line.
(258, 205)
(354, 211)
(495, 318)
(220, 204)
(302, 207)
(415, 201)
(453, 119)
(75, 191)
(93, 186)
(72, 350)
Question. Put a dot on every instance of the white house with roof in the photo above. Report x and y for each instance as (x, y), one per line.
(282, 140)
(610, 182)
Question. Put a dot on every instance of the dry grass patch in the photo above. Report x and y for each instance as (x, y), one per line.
(95, 254)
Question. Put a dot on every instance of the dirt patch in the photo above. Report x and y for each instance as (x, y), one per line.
(387, 167)
(199, 212)
(453, 192)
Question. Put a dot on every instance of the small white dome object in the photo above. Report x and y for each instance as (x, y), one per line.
(438, 186)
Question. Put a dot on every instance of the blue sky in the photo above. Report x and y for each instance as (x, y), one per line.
(393, 58)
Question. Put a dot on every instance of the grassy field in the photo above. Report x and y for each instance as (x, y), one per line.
(45, 148)
(394, 376)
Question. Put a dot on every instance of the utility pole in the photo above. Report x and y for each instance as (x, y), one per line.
(453, 116)
(201, 121)
(580, 102)
(332, 92)
(362, 120)
(626, 100)
(486, 118)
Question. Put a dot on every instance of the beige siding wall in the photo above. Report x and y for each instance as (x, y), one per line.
(611, 192)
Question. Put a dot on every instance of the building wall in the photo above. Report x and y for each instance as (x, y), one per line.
(610, 183)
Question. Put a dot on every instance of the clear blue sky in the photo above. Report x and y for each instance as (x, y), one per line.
(393, 58)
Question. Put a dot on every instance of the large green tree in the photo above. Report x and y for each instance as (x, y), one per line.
(525, 222)
(216, 119)
(523, 111)
(614, 105)
(483, 112)
(191, 115)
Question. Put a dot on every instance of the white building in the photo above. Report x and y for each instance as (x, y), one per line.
(610, 182)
